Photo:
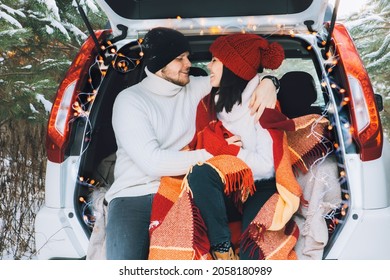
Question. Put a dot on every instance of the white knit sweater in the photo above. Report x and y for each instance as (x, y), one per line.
(153, 121)
(257, 150)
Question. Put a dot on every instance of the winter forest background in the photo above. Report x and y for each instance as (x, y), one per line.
(38, 40)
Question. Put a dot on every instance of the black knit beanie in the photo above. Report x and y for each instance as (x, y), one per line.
(162, 45)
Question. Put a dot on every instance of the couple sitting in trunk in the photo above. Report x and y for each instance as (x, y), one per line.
(204, 170)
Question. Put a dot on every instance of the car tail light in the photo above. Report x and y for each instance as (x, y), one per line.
(367, 127)
(61, 113)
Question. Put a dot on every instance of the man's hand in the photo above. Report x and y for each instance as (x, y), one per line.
(263, 97)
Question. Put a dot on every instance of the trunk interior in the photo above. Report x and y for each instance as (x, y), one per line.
(96, 139)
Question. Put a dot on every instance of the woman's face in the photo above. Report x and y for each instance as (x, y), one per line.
(216, 68)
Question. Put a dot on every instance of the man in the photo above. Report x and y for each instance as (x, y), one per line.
(153, 122)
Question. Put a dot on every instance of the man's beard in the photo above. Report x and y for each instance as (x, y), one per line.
(176, 81)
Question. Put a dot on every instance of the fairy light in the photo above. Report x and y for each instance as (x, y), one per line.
(120, 62)
(215, 29)
(336, 216)
(88, 218)
(338, 212)
(91, 98)
(344, 209)
(123, 64)
(89, 183)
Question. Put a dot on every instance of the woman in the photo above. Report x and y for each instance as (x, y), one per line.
(233, 69)
(249, 178)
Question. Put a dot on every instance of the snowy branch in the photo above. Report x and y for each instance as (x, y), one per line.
(10, 19)
(381, 51)
(382, 60)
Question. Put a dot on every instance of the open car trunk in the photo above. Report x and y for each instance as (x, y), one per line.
(98, 155)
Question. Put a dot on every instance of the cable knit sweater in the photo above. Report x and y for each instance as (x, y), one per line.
(257, 150)
(153, 121)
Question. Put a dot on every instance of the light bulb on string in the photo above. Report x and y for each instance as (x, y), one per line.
(81, 107)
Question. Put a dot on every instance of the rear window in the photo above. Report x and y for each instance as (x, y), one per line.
(288, 65)
(158, 9)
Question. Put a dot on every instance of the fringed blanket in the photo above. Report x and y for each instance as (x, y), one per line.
(177, 230)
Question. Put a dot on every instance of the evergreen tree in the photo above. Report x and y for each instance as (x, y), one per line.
(370, 29)
(39, 39)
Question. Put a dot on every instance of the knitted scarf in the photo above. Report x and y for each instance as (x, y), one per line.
(177, 230)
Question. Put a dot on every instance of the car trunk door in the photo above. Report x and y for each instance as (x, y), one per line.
(214, 17)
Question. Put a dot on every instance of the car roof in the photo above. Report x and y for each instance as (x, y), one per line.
(214, 17)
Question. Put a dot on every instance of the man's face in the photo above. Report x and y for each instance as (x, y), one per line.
(177, 70)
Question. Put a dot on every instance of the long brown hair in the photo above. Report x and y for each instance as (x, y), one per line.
(229, 92)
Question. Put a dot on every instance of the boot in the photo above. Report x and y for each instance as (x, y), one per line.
(229, 255)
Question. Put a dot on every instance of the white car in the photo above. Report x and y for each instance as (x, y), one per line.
(319, 51)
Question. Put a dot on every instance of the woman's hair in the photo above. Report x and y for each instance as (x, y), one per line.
(229, 92)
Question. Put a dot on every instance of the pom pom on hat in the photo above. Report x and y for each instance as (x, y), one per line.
(244, 54)
(272, 56)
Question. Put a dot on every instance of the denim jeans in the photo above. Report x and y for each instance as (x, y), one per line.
(218, 210)
(127, 231)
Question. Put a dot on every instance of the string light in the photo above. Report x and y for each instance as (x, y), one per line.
(121, 61)
(87, 211)
(337, 215)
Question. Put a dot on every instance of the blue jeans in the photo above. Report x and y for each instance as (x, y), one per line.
(218, 210)
(127, 231)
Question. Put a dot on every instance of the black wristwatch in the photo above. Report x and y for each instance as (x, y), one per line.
(274, 80)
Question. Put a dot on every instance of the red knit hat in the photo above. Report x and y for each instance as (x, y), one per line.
(244, 54)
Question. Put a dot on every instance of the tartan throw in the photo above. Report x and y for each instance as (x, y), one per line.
(177, 230)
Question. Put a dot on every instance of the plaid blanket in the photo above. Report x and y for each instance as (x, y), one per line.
(177, 230)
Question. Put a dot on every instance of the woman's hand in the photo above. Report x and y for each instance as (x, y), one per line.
(263, 97)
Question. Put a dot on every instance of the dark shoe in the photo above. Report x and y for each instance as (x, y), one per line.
(229, 255)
